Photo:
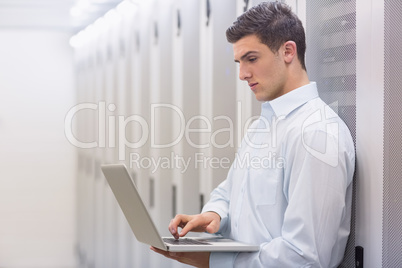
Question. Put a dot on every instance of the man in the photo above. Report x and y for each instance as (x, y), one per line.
(296, 201)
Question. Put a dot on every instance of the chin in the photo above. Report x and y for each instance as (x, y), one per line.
(261, 98)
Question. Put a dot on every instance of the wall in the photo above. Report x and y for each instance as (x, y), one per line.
(37, 164)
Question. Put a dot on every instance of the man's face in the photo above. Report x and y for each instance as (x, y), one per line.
(264, 71)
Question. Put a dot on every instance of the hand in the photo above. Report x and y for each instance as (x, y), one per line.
(207, 221)
(197, 259)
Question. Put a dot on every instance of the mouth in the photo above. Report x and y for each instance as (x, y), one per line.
(252, 86)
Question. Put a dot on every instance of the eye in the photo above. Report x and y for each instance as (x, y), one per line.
(252, 59)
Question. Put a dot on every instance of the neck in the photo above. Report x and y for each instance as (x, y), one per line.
(297, 77)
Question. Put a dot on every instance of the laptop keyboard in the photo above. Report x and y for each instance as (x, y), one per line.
(184, 241)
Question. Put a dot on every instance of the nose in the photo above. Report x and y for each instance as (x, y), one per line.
(244, 72)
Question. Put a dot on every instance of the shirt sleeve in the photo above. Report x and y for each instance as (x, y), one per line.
(317, 187)
(219, 201)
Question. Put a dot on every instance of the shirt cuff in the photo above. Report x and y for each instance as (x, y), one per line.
(222, 259)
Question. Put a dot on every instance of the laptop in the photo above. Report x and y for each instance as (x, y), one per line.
(144, 228)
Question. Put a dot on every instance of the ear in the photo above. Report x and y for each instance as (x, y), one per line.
(289, 51)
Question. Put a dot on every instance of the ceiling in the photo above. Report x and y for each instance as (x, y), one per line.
(64, 15)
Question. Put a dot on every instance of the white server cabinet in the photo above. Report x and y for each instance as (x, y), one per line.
(178, 187)
(185, 101)
(121, 91)
(98, 185)
(104, 198)
(160, 122)
(122, 231)
(110, 152)
(85, 171)
(139, 105)
(81, 163)
(100, 157)
(217, 95)
(90, 169)
(160, 82)
(206, 89)
(97, 153)
(154, 97)
(378, 133)
(132, 106)
(134, 129)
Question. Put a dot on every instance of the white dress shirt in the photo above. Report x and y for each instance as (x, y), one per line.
(289, 188)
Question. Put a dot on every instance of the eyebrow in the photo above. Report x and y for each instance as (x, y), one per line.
(245, 55)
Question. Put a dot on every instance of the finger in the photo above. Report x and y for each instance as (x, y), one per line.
(173, 229)
(191, 225)
(179, 221)
(213, 227)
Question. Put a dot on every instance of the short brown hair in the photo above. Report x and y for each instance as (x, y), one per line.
(273, 23)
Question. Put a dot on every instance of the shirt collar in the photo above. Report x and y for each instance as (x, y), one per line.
(285, 104)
